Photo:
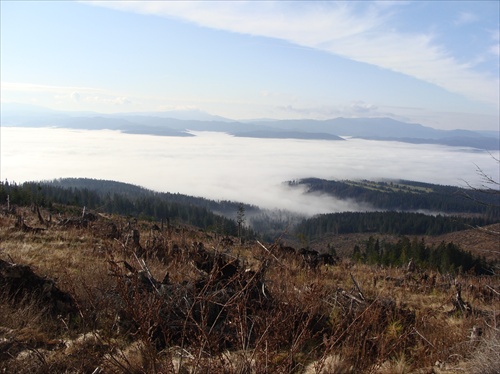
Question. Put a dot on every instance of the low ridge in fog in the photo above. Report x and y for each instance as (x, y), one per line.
(179, 123)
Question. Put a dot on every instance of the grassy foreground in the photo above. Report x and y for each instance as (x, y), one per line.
(120, 296)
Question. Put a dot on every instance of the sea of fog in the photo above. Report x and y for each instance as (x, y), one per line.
(222, 167)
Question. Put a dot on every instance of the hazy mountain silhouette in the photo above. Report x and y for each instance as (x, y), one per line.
(179, 123)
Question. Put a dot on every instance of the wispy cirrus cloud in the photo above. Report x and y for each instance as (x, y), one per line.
(32, 87)
(353, 109)
(361, 32)
(465, 18)
(495, 47)
(66, 94)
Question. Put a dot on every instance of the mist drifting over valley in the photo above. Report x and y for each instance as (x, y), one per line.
(110, 75)
(223, 167)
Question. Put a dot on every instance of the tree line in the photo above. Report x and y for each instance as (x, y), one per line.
(409, 196)
(120, 198)
(395, 223)
(445, 258)
(221, 216)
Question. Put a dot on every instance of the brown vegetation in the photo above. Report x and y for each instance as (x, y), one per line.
(108, 295)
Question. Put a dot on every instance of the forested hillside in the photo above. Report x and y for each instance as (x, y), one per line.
(445, 258)
(396, 202)
(396, 223)
(409, 196)
(126, 199)
(107, 187)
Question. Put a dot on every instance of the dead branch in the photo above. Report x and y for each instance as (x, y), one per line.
(360, 293)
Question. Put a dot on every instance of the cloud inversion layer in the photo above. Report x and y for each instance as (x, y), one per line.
(222, 167)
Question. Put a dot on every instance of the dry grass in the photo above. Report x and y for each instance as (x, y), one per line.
(487, 358)
(307, 320)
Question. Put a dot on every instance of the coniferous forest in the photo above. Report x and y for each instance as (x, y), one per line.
(445, 258)
(454, 209)
(404, 195)
(121, 198)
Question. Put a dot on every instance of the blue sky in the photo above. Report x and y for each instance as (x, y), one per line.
(431, 62)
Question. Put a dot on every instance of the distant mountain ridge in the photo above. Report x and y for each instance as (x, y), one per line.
(180, 123)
